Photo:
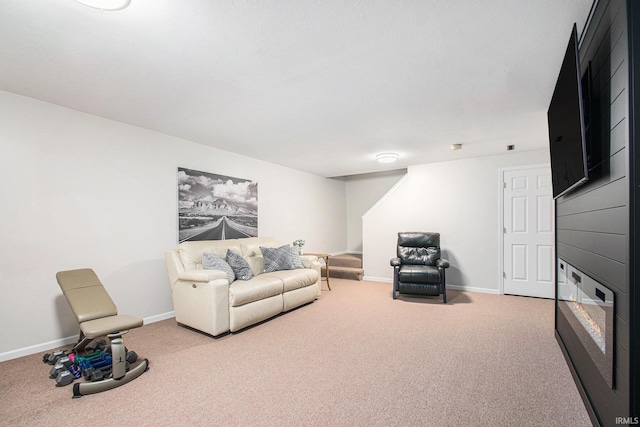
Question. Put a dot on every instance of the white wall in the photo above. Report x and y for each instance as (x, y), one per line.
(82, 191)
(460, 200)
(364, 191)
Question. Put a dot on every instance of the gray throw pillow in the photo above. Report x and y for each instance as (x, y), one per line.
(276, 259)
(295, 257)
(211, 261)
(239, 265)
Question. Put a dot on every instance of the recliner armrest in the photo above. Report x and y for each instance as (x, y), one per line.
(202, 275)
(395, 262)
(442, 263)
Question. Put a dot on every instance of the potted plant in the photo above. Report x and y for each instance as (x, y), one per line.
(299, 243)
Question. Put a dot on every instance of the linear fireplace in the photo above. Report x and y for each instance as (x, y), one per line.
(588, 306)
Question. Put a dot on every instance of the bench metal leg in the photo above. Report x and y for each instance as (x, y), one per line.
(81, 389)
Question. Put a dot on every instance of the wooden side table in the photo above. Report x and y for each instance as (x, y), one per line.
(326, 261)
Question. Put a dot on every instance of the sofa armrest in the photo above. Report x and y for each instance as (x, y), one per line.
(203, 305)
(315, 265)
(174, 266)
(308, 260)
(202, 275)
(176, 271)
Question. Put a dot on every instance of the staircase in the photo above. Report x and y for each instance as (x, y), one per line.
(345, 266)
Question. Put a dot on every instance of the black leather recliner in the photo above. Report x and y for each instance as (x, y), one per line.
(418, 268)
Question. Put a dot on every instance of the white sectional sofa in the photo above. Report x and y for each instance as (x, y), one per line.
(204, 299)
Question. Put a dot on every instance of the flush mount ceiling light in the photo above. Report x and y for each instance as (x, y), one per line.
(105, 5)
(387, 157)
(456, 147)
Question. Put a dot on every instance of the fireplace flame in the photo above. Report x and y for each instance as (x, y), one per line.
(586, 316)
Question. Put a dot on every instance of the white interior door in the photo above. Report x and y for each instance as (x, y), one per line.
(528, 232)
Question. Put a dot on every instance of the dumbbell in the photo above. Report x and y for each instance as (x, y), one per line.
(52, 358)
(96, 345)
(66, 377)
(108, 349)
(98, 374)
(45, 357)
(131, 357)
(63, 364)
(98, 354)
(95, 363)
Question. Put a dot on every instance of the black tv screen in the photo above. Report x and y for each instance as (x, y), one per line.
(567, 139)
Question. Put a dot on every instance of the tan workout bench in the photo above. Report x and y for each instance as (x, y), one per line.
(98, 317)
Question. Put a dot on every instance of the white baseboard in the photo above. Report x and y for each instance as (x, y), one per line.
(49, 345)
(160, 317)
(38, 348)
(452, 287)
(473, 289)
(377, 279)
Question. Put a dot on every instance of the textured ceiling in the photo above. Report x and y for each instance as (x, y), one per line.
(316, 85)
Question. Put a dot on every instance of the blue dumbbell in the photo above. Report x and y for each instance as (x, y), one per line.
(96, 363)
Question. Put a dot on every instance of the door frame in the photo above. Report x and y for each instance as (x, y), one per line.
(502, 172)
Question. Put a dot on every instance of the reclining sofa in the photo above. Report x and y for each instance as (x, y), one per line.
(208, 300)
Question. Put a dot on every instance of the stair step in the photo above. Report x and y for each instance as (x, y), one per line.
(343, 272)
(346, 260)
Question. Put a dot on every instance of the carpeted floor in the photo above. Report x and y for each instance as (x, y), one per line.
(353, 357)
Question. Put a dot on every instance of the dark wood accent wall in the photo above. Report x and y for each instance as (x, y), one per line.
(595, 225)
(633, 13)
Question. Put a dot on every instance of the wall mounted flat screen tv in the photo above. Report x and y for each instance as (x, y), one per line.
(567, 136)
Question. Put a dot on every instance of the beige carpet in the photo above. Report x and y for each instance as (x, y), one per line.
(353, 357)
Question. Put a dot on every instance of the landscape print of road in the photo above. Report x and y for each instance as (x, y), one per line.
(215, 207)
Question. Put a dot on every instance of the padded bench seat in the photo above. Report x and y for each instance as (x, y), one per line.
(106, 325)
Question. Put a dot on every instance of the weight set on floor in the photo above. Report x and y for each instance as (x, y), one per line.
(96, 365)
